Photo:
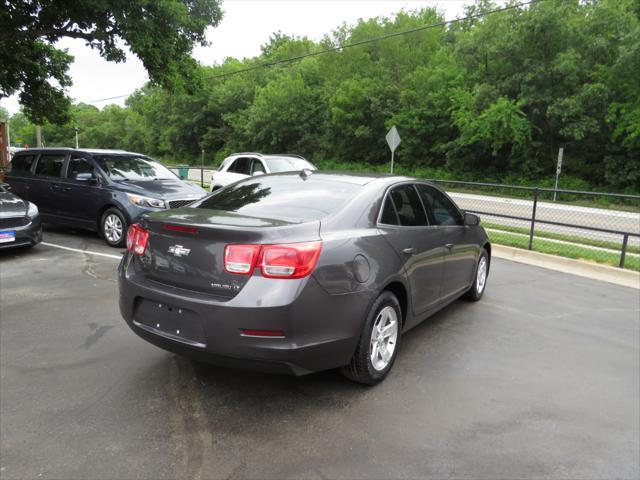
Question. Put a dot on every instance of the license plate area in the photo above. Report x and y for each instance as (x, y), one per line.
(176, 323)
(7, 236)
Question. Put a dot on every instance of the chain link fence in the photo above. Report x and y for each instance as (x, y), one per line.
(599, 227)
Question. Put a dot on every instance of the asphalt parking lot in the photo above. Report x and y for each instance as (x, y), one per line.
(541, 379)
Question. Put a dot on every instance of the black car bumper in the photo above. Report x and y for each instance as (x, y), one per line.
(26, 232)
(320, 330)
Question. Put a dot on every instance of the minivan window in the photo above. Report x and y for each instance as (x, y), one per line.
(50, 165)
(129, 167)
(21, 163)
(78, 165)
(282, 197)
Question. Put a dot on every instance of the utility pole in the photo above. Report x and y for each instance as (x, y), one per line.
(202, 170)
(38, 136)
(76, 129)
(558, 171)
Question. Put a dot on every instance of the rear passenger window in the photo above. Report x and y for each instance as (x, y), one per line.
(388, 215)
(50, 165)
(409, 207)
(241, 165)
(21, 163)
(443, 210)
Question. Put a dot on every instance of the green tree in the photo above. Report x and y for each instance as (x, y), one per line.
(161, 33)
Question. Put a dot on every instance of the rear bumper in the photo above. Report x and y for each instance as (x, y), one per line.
(27, 235)
(321, 330)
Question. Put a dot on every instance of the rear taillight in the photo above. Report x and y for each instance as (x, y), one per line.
(137, 238)
(241, 258)
(293, 260)
(289, 260)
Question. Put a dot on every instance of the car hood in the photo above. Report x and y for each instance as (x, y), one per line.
(11, 205)
(163, 189)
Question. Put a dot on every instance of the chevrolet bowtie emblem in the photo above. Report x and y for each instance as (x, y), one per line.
(179, 250)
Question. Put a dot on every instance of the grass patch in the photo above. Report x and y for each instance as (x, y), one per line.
(569, 251)
(566, 238)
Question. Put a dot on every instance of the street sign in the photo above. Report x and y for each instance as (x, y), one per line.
(393, 140)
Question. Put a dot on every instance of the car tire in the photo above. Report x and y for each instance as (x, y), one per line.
(480, 277)
(369, 364)
(113, 227)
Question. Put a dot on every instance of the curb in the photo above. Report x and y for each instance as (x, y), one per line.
(595, 271)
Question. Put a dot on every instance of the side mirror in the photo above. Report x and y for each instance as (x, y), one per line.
(255, 174)
(86, 177)
(471, 219)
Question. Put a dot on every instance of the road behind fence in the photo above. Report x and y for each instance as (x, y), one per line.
(599, 227)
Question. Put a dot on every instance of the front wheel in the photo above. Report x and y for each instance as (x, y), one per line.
(113, 227)
(379, 342)
(480, 279)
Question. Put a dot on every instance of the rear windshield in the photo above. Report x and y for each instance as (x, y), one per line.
(285, 197)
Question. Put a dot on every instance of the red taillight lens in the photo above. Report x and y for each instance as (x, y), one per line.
(241, 258)
(289, 260)
(180, 228)
(293, 260)
(137, 238)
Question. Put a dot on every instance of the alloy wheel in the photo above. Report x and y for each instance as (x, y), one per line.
(481, 278)
(384, 336)
(113, 228)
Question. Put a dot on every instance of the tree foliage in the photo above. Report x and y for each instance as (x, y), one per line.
(160, 33)
(490, 98)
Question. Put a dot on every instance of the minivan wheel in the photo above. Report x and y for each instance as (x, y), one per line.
(379, 342)
(480, 279)
(113, 227)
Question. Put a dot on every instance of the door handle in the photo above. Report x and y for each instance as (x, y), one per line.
(449, 246)
(54, 188)
(66, 189)
(409, 250)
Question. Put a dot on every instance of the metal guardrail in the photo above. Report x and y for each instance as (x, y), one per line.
(533, 220)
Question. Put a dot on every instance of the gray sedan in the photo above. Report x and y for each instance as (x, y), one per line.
(301, 272)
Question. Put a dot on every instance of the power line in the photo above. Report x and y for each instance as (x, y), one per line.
(354, 44)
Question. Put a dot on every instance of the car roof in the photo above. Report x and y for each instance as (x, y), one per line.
(91, 151)
(267, 155)
(359, 178)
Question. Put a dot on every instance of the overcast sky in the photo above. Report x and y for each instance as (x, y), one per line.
(247, 24)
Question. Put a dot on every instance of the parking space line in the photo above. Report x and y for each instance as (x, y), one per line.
(117, 257)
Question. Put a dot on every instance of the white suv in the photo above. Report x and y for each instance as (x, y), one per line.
(242, 165)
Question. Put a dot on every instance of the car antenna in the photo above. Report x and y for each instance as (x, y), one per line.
(305, 173)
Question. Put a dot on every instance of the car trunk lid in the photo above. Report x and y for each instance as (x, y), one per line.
(186, 246)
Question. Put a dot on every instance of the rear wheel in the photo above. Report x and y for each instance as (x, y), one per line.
(480, 280)
(113, 227)
(379, 342)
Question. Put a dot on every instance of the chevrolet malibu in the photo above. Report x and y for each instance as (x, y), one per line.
(301, 272)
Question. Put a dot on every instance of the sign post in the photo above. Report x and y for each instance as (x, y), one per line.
(393, 140)
(558, 170)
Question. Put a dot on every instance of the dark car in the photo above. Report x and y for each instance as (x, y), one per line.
(19, 220)
(100, 190)
(297, 273)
